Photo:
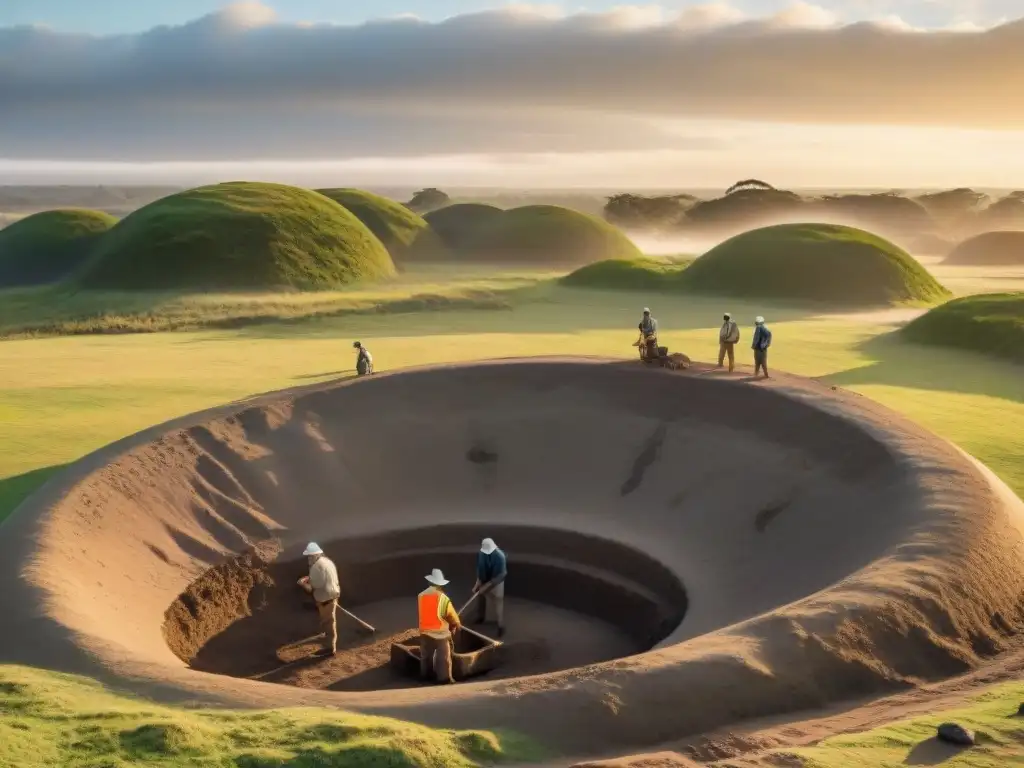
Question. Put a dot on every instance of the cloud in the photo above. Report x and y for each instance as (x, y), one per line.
(238, 84)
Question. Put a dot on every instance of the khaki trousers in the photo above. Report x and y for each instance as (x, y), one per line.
(727, 348)
(328, 624)
(436, 657)
(492, 605)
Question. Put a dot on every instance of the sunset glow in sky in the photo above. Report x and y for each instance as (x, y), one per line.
(881, 93)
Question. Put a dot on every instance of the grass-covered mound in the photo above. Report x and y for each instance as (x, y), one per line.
(55, 719)
(550, 234)
(989, 249)
(813, 262)
(50, 245)
(458, 224)
(406, 235)
(239, 235)
(990, 323)
(642, 274)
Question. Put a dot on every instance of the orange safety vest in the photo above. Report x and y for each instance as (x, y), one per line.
(432, 607)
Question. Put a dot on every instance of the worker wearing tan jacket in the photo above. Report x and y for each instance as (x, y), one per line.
(728, 337)
(322, 583)
(438, 619)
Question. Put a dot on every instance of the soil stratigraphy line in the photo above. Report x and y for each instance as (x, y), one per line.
(649, 455)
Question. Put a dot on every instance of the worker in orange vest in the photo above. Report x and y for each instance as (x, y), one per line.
(438, 620)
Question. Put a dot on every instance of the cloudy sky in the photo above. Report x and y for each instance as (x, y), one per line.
(884, 93)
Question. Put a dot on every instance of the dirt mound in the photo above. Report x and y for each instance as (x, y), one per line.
(237, 235)
(829, 263)
(775, 546)
(990, 249)
(49, 246)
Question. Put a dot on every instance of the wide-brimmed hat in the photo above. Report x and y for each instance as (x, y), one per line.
(759, 320)
(312, 549)
(436, 578)
(487, 546)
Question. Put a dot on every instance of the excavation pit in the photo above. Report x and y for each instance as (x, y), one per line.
(830, 549)
(571, 600)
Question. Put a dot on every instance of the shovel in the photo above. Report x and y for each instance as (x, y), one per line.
(368, 627)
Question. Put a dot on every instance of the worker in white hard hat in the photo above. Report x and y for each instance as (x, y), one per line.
(649, 334)
(438, 620)
(728, 336)
(491, 570)
(322, 584)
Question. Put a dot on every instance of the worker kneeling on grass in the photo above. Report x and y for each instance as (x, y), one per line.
(322, 584)
(491, 570)
(438, 620)
(364, 360)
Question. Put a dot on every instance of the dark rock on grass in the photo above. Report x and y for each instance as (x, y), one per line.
(1020, 710)
(951, 733)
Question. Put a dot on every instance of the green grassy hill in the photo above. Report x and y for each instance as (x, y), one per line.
(813, 262)
(457, 224)
(643, 274)
(989, 323)
(406, 235)
(239, 235)
(48, 246)
(549, 234)
(990, 248)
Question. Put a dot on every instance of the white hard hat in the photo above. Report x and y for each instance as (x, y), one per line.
(487, 546)
(759, 320)
(436, 578)
(729, 315)
(312, 549)
(647, 310)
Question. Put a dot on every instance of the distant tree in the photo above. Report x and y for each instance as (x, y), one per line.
(1007, 211)
(640, 212)
(749, 184)
(953, 201)
(427, 200)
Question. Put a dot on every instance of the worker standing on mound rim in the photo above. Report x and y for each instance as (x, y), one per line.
(491, 570)
(728, 337)
(364, 360)
(322, 584)
(649, 334)
(438, 620)
(762, 340)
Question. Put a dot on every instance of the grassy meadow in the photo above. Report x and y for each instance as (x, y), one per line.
(62, 396)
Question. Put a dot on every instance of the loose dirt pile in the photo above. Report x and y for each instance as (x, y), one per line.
(829, 548)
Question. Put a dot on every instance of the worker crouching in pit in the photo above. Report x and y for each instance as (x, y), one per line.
(438, 620)
(322, 584)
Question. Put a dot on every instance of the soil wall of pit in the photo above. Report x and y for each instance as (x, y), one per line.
(829, 548)
(583, 574)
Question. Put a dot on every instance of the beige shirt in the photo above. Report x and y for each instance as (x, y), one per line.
(323, 578)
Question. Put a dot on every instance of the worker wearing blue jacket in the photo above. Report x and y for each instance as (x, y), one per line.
(491, 570)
